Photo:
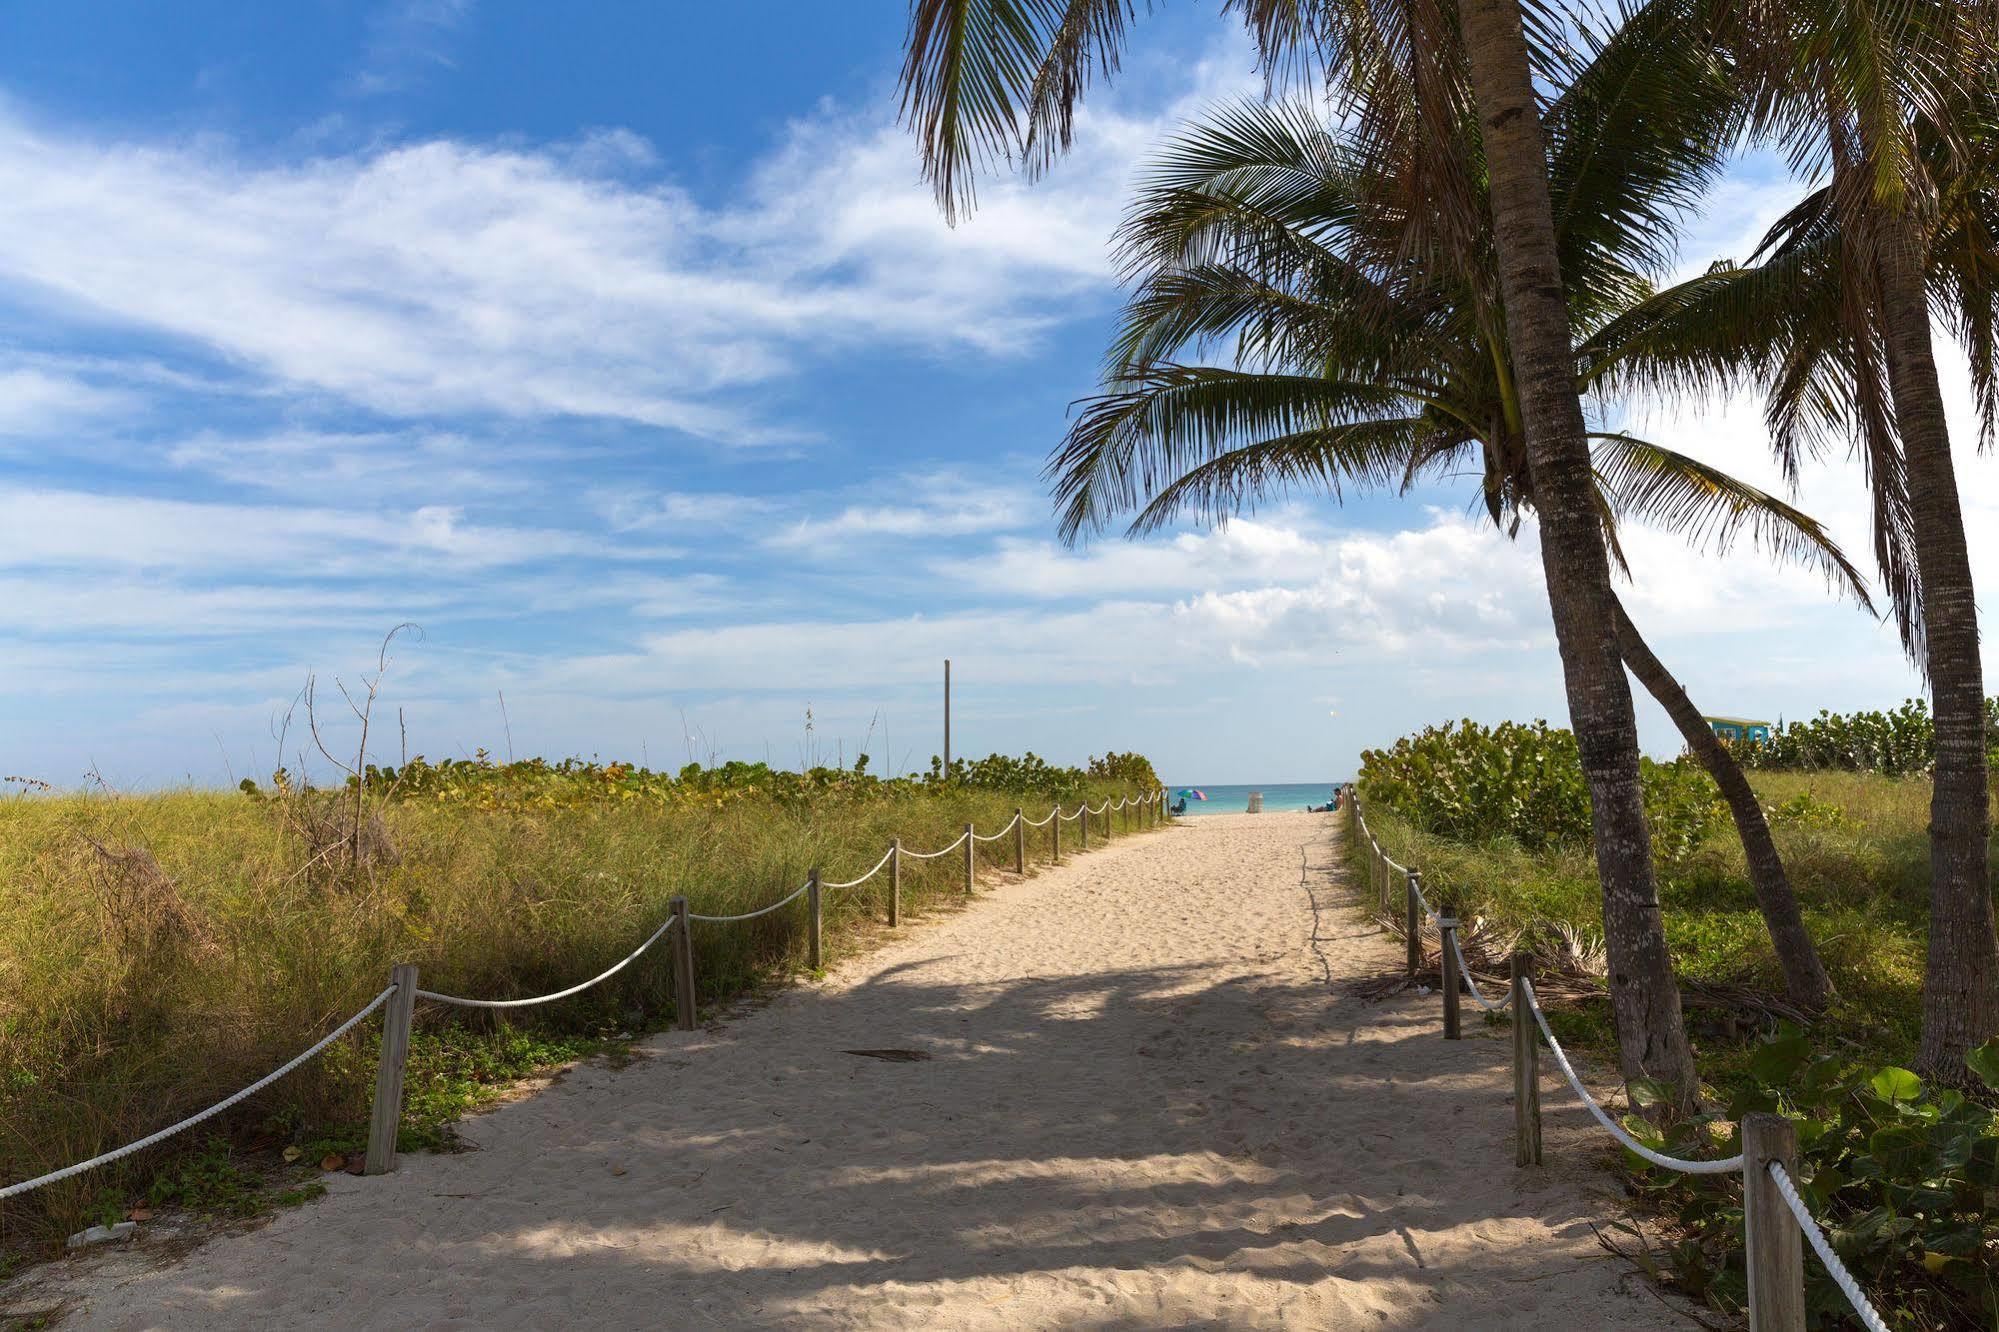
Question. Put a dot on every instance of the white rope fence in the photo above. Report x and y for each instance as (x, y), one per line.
(401, 995)
(1776, 1284)
(932, 855)
(461, 1001)
(796, 893)
(855, 883)
(29, 1185)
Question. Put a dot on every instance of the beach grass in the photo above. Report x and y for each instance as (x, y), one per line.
(1857, 849)
(158, 952)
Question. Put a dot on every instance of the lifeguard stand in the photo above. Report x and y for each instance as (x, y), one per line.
(1737, 730)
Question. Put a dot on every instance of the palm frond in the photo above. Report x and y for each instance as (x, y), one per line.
(1712, 509)
(1132, 442)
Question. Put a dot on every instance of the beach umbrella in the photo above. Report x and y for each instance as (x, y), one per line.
(1189, 793)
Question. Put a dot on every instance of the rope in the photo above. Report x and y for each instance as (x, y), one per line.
(853, 883)
(1465, 971)
(932, 855)
(25, 1186)
(982, 837)
(1043, 822)
(462, 1002)
(1823, 1248)
(1733, 1163)
(752, 915)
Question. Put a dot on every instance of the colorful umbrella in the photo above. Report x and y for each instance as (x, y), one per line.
(1189, 793)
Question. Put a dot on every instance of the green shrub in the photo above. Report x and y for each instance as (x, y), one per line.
(1901, 1174)
(1473, 783)
(1897, 743)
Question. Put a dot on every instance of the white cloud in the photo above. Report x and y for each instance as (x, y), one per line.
(437, 277)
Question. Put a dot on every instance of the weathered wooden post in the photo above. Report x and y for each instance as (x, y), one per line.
(1774, 1244)
(397, 1015)
(895, 883)
(1019, 841)
(971, 851)
(1083, 825)
(683, 966)
(818, 918)
(1447, 931)
(1412, 925)
(1055, 835)
(1526, 1068)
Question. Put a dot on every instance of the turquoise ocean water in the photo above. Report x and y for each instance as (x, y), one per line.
(1277, 796)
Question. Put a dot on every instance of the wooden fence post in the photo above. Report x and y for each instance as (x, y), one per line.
(1412, 925)
(1447, 931)
(1083, 825)
(971, 851)
(1019, 840)
(1055, 835)
(388, 1115)
(1774, 1244)
(683, 966)
(818, 918)
(1526, 1068)
(895, 883)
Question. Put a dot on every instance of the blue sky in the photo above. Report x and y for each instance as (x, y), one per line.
(620, 348)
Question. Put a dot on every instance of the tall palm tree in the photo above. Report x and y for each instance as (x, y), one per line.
(1357, 364)
(985, 79)
(1815, 319)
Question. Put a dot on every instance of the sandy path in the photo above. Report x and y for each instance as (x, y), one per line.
(1146, 1108)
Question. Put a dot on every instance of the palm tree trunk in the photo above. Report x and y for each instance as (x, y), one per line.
(1652, 1039)
(1805, 980)
(1961, 973)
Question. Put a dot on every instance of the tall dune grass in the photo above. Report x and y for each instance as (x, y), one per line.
(158, 952)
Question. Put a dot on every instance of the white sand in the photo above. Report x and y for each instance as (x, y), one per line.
(1146, 1108)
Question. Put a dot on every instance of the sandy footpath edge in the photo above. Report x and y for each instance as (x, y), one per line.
(1144, 1105)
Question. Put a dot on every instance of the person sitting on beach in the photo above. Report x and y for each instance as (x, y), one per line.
(1181, 808)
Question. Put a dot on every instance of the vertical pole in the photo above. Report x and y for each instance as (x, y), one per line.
(947, 719)
(1526, 1068)
(1412, 925)
(895, 883)
(971, 850)
(818, 918)
(1774, 1245)
(1447, 928)
(1083, 823)
(683, 966)
(1055, 835)
(1019, 840)
(387, 1118)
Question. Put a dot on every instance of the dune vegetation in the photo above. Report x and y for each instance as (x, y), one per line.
(158, 952)
(1496, 820)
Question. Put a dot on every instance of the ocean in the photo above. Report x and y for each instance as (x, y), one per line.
(1277, 796)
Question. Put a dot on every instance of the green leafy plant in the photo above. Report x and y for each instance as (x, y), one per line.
(1903, 1175)
(1473, 783)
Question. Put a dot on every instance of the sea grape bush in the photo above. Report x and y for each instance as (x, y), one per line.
(1903, 1174)
(1897, 743)
(1473, 783)
(481, 782)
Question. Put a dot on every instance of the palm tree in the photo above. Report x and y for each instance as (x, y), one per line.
(1824, 319)
(1001, 78)
(1260, 231)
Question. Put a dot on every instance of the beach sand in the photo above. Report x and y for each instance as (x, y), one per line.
(1147, 1104)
